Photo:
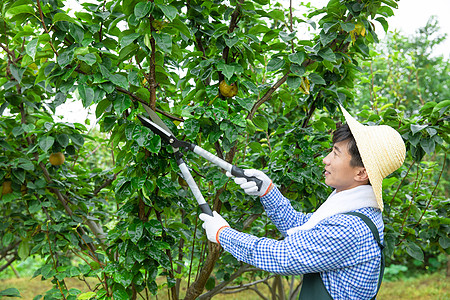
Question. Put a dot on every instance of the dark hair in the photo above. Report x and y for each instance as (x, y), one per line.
(343, 133)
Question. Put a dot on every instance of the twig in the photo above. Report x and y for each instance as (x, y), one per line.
(192, 252)
(9, 262)
(136, 98)
(398, 188)
(54, 260)
(41, 14)
(223, 285)
(429, 201)
(10, 53)
(406, 214)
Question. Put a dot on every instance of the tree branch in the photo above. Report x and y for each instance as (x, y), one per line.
(197, 287)
(218, 288)
(267, 95)
(136, 98)
(9, 262)
(41, 14)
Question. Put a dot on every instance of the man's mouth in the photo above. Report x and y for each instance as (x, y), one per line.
(325, 173)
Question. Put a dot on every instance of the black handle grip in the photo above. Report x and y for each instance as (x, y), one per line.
(206, 209)
(238, 172)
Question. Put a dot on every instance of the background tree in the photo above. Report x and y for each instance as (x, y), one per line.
(127, 219)
(404, 79)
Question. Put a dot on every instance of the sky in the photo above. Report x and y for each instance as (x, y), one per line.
(408, 18)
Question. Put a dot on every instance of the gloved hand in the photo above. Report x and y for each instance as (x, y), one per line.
(250, 187)
(213, 225)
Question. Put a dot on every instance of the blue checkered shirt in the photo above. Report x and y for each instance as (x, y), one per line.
(342, 248)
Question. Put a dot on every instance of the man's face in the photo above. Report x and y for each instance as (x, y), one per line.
(339, 174)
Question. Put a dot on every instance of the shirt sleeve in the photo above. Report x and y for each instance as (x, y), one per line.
(281, 212)
(330, 245)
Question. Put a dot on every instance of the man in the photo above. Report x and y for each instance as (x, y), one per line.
(336, 247)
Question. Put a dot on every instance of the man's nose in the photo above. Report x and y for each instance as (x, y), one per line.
(326, 159)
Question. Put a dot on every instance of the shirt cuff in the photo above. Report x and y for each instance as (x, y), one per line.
(272, 199)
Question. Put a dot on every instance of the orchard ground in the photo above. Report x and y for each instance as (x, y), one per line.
(434, 286)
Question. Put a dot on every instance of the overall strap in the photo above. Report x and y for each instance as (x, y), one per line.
(376, 235)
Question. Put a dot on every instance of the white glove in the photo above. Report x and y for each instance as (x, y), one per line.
(250, 187)
(213, 225)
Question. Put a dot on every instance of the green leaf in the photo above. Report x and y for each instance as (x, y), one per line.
(297, 69)
(414, 250)
(228, 70)
(327, 54)
(326, 38)
(64, 17)
(101, 107)
(119, 80)
(65, 58)
(19, 173)
(17, 131)
(428, 144)
(258, 29)
(286, 37)
(181, 27)
(26, 164)
(21, 9)
(89, 58)
(164, 41)
(10, 292)
(31, 47)
(230, 42)
(383, 23)
(275, 64)
(261, 122)
(417, 128)
(166, 185)
(210, 283)
(128, 39)
(7, 239)
(142, 9)
(152, 287)
(294, 82)
(327, 26)
(121, 103)
(24, 249)
(169, 11)
(46, 142)
(316, 78)
(385, 11)
(347, 26)
(154, 144)
(77, 139)
(86, 296)
(86, 94)
(444, 241)
(191, 129)
(128, 51)
(297, 58)
(76, 32)
(123, 277)
(16, 72)
(120, 293)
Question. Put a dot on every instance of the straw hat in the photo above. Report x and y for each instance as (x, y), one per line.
(381, 148)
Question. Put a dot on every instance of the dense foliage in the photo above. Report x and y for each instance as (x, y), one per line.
(117, 210)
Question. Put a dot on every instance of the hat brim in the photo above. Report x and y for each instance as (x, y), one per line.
(362, 135)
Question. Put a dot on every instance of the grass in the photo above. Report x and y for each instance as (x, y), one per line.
(425, 287)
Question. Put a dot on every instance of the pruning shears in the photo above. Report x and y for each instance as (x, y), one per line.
(155, 124)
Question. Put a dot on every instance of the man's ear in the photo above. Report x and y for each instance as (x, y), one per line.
(361, 175)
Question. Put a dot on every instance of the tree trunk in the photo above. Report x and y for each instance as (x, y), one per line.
(197, 287)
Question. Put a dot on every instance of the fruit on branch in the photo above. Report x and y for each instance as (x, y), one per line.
(228, 90)
(57, 159)
(6, 187)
